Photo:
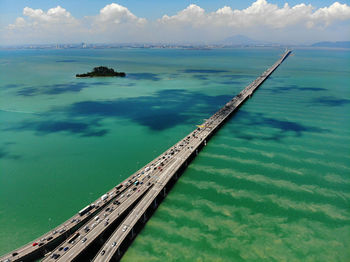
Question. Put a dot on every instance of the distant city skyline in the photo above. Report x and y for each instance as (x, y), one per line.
(294, 22)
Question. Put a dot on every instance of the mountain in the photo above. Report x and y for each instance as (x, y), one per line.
(339, 44)
(240, 40)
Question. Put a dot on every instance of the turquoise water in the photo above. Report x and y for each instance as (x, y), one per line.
(272, 185)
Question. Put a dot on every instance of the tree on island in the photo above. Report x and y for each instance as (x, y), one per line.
(102, 71)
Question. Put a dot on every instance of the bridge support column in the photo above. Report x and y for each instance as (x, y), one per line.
(155, 203)
(132, 233)
(118, 251)
(164, 191)
(205, 142)
(144, 218)
(196, 152)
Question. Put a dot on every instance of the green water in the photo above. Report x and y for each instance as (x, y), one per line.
(272, 185)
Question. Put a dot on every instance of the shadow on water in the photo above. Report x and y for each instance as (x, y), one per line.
(288, 88)
(5, 154)
(330, 101)
(56, 89)
(144, 76)
(165, 109)
(202, 71)
(9, 86)
(84, 129)
(283, 128)
(66, 61)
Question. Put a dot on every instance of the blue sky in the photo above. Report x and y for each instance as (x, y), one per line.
(29, 21)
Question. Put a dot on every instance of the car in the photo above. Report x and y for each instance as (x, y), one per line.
(14, 254)
(60, 249)
(103, 252)
(114, 244)
(55, 256)
(124, 228)
(66, 248)
(49, 238)
(40, 244)
(84, 240)
(35, 244)
(106, 223)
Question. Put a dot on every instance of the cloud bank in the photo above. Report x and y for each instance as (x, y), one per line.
(116, 23)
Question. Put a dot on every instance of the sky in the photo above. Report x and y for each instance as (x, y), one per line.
(180, 21)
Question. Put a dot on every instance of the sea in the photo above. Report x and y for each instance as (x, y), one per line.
(272, 185)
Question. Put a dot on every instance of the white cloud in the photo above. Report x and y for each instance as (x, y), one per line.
(116, 23)
(117, 14)
(193, 14)
(328, 15)
(260, 13)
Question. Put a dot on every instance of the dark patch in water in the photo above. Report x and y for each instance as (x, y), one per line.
(54, 126)
(28, 91)
(9, 86)
(283, 127)
(66, 61)
(203, 71)
(229, 82)
(201, 77)
(295, 88)
(57, 89)
(143, 76)
(166, 109)
(331, 101)
(5, 154)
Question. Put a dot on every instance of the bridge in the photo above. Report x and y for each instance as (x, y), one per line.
(103, 230)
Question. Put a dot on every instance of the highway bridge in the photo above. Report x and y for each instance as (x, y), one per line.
(103, 230)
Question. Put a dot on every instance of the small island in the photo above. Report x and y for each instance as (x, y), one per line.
(102, 71)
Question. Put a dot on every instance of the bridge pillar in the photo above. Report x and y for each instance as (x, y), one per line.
(132, 232)
(144, 218)
(205, 142)
(196, 152)
(155, 203)
(164, 191)
(118, 251)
